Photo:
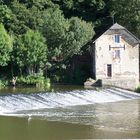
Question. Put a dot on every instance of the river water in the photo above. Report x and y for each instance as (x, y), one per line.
(69, 113)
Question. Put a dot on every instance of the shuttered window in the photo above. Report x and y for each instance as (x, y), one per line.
(117, 38)
(117, 53)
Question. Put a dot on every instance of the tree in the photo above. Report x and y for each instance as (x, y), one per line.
(127, 13)
(79, 34)
(55, 29)
(65, 37)
(88, 10)
(6, 44)
(6, 16)
(20, 18)
(31, 51)
(27, 14)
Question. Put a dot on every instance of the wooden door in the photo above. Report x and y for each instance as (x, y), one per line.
(109, 70)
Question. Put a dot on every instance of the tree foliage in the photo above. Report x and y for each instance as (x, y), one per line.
(48, 33)
(31, 51)
(5, 46)
(127, 13)
(80, 33)
(65, 37)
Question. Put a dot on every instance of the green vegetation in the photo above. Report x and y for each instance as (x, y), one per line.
(4, 83)
(44, 36)
(30, 51)
(5, 46)
(128, 16)
(36, 79)
(137, 89)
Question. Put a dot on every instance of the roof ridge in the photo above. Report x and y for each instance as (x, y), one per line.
(116, 26)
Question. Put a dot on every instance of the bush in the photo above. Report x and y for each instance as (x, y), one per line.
(36, 79)
(3, 83)
(137, 89)
(47, 83)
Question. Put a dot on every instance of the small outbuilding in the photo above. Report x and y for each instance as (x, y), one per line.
(115, 56)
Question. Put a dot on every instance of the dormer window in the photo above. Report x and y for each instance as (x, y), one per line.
(117, 38)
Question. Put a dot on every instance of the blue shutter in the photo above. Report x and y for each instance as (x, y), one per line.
(117, 38)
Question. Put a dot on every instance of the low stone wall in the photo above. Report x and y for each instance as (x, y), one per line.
(122, 83)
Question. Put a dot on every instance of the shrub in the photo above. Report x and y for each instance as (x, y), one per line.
(36, 79)
(137, 89)
(1, 84)
(47, 83)
(4, 83)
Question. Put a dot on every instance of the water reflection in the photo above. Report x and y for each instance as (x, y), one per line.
(120, 116)
(32, 89)
(12, 128)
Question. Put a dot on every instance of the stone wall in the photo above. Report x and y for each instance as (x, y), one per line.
(125, 70)
(127, 83)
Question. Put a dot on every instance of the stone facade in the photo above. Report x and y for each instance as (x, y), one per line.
(116, 58)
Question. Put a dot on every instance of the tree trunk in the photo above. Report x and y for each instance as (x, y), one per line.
(30, 70)
(12, 70)
(20, 71)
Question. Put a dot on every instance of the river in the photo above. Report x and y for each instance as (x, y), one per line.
(69, 112)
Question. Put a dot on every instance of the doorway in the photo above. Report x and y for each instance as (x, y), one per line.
(109, 70)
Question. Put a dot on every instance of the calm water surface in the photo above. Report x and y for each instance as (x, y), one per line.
(68, 113)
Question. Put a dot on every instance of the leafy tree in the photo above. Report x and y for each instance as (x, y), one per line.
(79, 34)
(88, 10)
(20, 18)
(6, 2)
(5, 46)
(55, 29)
(6, 16)
(65, 37)
(40, 4)
(31, 51)
(5, 13)
(127, 13)
(27, 15)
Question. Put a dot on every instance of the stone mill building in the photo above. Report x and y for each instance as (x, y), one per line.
(116, 58)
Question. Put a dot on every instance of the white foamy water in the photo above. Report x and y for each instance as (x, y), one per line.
(20, 102)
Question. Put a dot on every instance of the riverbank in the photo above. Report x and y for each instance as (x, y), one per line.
(36, 80)
(39, 81)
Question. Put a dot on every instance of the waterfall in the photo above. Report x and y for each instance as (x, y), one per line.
(12, 103)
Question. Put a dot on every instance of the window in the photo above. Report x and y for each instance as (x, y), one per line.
(117, 53)
(109, 70)
(117, 38)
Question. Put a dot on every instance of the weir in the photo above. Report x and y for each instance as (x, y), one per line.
(13, 103)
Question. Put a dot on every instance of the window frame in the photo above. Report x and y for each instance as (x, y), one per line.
(117, 54)
(117, 38)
